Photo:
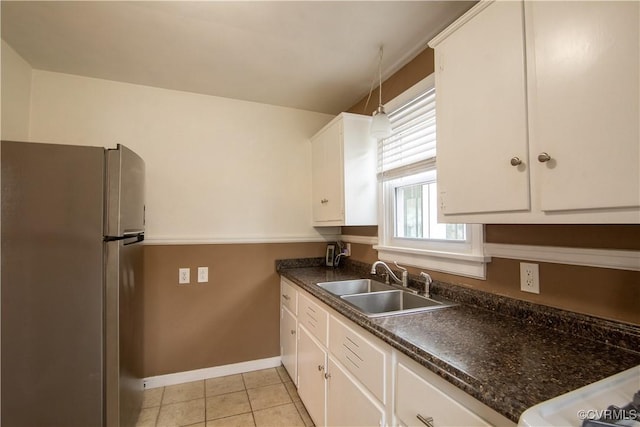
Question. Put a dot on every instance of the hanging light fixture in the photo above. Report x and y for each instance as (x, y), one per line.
(380, 124)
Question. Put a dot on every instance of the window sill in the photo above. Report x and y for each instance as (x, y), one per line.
(469, 265)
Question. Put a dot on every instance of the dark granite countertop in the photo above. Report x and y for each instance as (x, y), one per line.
(510, 361)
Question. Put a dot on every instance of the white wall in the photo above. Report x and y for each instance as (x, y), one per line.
(217, 169)
(15, 94)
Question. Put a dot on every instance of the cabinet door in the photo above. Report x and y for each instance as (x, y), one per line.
(347, 402)
(288, 341)
(327, 174)
(416, 399)
(481, 114)
(311, 369)
(585, 91)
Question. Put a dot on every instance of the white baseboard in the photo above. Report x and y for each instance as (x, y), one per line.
(214, 372)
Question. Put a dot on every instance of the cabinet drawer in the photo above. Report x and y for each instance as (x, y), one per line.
(313, 318)
(365, 361)
(289, 296)
(416, 397)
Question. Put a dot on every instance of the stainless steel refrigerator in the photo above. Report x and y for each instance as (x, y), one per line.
(71, 290)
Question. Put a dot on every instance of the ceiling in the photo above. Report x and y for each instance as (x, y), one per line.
(312, 55)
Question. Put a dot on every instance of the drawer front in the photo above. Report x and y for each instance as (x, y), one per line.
(365, 361)
(289, 296)
(314, 318)
(416, 397)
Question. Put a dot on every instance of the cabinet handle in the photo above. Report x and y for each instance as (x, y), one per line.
(327, 376)
(426, 421)
(323, 201)
(543, 157)
(515, 161)
(293, 332)
(285, 296)
(320, 367)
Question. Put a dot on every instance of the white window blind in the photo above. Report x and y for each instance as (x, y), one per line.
(412, 146)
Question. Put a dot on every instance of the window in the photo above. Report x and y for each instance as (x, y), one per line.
(409, 231)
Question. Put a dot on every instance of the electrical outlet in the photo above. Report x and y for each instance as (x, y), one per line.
(529, 278)
(203, 274)
(184, 276)
(347, 249)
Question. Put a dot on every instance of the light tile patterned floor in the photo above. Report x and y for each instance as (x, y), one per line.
(258, 398)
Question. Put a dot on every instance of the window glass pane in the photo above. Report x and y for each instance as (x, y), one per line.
(417, 217)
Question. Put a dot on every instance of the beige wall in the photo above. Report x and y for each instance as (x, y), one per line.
(233, 318)
(15, 94)
(217, 169)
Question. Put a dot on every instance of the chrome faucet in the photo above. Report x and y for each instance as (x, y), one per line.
(405, 276)
(427, 283)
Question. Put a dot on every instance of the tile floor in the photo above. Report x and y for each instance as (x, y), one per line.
(259, 398)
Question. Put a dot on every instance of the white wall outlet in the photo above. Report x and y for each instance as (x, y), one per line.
(203, 274)
(184, 276)
(347, 249)
(529, 278)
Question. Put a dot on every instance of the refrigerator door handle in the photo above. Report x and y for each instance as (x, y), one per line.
(139, 236)
(132, 233)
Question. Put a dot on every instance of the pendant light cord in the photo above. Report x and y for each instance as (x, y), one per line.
(373, 82)
(380, 78)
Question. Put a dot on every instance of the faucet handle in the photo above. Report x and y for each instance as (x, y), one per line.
(401, 268)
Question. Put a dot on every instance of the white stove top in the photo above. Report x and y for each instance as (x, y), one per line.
(572, 408)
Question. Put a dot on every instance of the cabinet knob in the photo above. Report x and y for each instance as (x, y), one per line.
(323, 201)
(293, 332)
(543, 157)
(327, 376)
(320, 367)
(515, 161)
(285, 296)
(428, 421)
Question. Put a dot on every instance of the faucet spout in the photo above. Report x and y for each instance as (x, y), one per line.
(405, 276)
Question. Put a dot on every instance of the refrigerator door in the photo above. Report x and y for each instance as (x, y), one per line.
(124, 352)
(124, 193)
(124, 228)
(52, 285)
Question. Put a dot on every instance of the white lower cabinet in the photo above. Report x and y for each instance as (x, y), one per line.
(418, 403)
(348, 403)
(289, 342)
(289, 327)
(312, 362)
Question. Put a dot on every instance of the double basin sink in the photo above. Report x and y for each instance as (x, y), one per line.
(376, 299)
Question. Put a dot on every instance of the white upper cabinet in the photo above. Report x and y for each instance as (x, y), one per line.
(538, 113)
(585, 103)
(343, 172)
(481, 114)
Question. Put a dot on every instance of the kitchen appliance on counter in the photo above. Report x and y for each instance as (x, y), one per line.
(72, 223)
(613, 401)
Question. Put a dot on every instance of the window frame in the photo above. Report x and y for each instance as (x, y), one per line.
(465, 258)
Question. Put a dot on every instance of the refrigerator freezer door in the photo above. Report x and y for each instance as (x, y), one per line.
(124, 193)
(52, 285)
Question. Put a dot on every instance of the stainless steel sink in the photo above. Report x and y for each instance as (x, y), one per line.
(357, 286)
(387, 303)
